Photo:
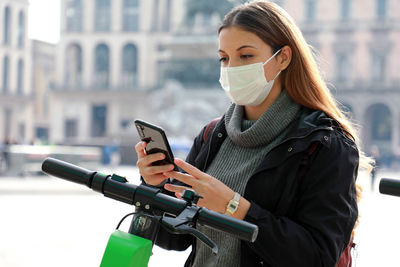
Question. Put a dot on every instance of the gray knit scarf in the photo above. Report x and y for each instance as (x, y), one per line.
(240, 154)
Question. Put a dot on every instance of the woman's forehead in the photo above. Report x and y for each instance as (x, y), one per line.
(235, 37)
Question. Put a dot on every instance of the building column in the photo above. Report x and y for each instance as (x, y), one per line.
(115, 63)
(114, 46)
(88, 16)
(88, 62)
(116, 16)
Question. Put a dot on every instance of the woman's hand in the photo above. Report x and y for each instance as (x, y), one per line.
(152, 175)
(216, 195)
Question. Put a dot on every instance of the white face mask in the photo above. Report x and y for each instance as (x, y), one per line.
(246, 85)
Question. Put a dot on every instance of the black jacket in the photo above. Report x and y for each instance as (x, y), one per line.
(303, 220)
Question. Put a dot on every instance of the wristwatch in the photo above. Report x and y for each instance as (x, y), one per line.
(233, 204)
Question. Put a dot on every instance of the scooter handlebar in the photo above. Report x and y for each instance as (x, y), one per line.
(389, 187)
(67, 171)
(118, 188)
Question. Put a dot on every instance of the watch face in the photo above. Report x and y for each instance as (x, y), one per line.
(231, 206)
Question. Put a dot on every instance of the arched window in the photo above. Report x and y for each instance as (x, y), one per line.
(21, 29)
(73, 75)
(381, 9)
(7, 26)
(378, 65)
(167, 16)
(5, 74)
(155, 22)
(381, 122)
(311, 9)
(102, 15)
(129, 66)
(343, 68)
(20, 77)
(74, 15)
(131, 15)
(102, 66)
(345, 9)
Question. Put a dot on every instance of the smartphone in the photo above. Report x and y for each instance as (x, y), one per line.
(156, 140)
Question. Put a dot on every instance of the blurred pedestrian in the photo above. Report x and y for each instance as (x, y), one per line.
(374, 151)
(4, 156)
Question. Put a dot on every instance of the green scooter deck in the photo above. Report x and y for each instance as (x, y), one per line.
(126, 250)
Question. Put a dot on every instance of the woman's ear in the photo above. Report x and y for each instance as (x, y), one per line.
(284, 57)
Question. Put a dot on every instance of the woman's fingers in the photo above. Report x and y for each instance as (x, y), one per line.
(149, 159)
(175, 188)
(152, 175)
(155, 179)
(139, 147)
(189, 168)
(182, 177)
(161, 169)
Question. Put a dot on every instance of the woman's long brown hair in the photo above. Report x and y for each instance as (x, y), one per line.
(302, 78)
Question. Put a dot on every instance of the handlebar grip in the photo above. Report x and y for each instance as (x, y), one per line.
(389, 187)
(241, 229)
(67, 171)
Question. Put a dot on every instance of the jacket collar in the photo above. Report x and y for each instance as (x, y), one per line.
(309, 126)
(307, 121)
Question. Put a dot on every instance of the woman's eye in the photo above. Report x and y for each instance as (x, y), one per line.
(246, 56)
(222, 59)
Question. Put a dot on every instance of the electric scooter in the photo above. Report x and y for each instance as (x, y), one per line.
(154, 210)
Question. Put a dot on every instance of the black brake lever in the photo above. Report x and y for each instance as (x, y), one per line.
(183, 224)
(184, 228)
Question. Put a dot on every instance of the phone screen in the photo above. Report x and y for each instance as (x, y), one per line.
(156, 141)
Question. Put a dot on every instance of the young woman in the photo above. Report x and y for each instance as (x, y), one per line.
(283, 153)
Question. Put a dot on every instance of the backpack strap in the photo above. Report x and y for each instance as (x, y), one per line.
(345, 259)
(210, 128)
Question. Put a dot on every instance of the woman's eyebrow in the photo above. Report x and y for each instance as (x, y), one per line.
(246, 46)
(243, 46)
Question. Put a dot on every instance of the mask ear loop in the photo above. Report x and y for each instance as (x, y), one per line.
(276, 75)
(272, 56)
(269, 60)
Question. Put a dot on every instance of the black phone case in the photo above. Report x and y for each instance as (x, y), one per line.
(156, 140)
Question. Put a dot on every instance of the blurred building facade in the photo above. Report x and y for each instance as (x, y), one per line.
(358, 44)
(43, 80)
(156, 60)
(114, 65)
(16, 105)
(106, 65)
